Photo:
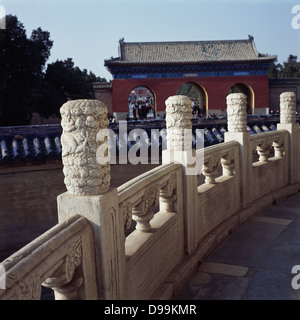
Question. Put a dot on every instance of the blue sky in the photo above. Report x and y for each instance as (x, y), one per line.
(89, 30)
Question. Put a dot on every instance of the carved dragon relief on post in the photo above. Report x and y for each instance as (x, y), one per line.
(178, 122)
(288, 107)
(237, 112)
(81, 121)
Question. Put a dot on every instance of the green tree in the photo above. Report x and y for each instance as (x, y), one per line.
(189, 90)
(22, 61)
(62, 82)
(27, 85)
(289, 69)
(273, 71)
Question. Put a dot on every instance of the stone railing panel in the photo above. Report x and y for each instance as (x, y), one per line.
(219, 161)
(270, 169)
(156, 246)
(62, 259)
(265, 146)
(156, 187)
(219, 197)
(268, 145)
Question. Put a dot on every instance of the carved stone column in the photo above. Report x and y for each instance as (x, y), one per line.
(237, 112)
(179, 149)
(237, 131)
(288, 122)
(81, 120)
(288, 107)
(179, 123)
(89, 193)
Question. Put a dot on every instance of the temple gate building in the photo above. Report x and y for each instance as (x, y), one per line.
(213, 68)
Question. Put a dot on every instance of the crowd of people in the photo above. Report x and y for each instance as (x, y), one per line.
(196, 110)
(141, 107)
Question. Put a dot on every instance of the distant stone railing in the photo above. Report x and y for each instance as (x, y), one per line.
(176, 213)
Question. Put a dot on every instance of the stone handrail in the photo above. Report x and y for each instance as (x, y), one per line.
(178, 220)
(62, 259)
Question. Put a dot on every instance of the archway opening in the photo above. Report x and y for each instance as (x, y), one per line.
(248, 91)
(198, 95)
(141, 104)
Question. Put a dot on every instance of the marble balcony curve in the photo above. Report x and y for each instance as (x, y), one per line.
(178, 214)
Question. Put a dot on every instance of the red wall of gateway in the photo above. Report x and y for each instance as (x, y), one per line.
(215, 87)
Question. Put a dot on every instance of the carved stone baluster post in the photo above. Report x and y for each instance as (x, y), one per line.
(210, 168)
(278, 148)
(237, 131)
(67, 280)
(288, 108)
(263, 150)
(179, 149)
(81, 121)
(89, 194)
(167, 194)
(288, 122)
(178, 123)
(237, 112)
(69, 291)
(142, 216)
(228, 165)
(141, 212)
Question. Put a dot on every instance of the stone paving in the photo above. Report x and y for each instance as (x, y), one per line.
(255, 262)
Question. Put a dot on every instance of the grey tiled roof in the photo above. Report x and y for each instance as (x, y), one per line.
(32, 144)
(188, 52)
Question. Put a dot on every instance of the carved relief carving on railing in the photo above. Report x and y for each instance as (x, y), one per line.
(167, 194)
(263, 148)
(263, 143)
(141, 212)
(66, 280)
(288, 107)
(210, 168)
(214, 157)
(126, 211)
(228, 163)
(278, 147)
(137, 205)
(81, 121)
(29, 288)
(53, 260)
